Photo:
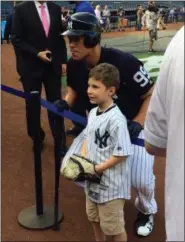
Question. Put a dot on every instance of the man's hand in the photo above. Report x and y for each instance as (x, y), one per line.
(61, 105)
(64, 69)
(43, 55)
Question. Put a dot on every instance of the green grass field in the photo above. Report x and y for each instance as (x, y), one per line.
(151, 62)
(146, 55)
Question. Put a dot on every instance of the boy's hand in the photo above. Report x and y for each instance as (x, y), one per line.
(98, 169)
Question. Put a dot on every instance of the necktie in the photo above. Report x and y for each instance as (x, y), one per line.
(44, 19)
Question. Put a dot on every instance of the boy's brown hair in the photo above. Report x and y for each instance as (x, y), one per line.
(107, 74)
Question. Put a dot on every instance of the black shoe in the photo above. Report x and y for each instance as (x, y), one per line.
(75, 131)
(144, 224)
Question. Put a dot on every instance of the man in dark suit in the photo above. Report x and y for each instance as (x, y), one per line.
(40, 52)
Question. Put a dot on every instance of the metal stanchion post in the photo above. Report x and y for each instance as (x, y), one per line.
(59, 142)
(37, 216)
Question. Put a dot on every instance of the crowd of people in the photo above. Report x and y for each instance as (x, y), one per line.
(121, 21)
(104, 14)
(149, 18)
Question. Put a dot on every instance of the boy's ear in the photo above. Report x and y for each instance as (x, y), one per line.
(112, 90)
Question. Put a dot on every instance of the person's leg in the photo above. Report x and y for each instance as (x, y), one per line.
(140, 25)
(136, 27)
(93, 217)
(119, 23)
(112, 219)
(109, 24)
(120, 237)
(52, 84)
(98, 233)
(162, 23)
(158, 23)
(30, 85)
(80, 109)
(122, 24)
(143, 180)
(106, 25)
(151, 42)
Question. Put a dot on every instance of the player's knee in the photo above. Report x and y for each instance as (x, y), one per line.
(144, 186)
(141, 185)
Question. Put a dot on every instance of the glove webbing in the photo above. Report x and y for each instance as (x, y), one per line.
(79, 164)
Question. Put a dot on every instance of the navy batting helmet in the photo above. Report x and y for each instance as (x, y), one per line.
(87, 25)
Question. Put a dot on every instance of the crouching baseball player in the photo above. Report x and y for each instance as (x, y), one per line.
(132, 98)
(106, 178)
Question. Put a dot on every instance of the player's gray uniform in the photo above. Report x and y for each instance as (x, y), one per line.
(141, 175)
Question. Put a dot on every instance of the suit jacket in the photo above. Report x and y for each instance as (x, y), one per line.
(7, 31)
(28, 38)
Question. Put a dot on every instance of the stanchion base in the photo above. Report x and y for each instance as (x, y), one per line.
(29, 219)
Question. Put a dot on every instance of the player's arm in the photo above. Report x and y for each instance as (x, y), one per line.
(142, 86)
(67, 102)
(71, 96)
(109, 163)
(140, 117)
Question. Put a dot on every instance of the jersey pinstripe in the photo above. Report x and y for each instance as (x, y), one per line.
(107, 135)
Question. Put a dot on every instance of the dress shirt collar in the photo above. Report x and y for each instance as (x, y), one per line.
(37, 4)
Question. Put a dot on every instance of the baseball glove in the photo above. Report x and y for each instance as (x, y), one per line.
(79, 168)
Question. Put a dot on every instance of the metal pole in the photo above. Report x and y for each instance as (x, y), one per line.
(59, 142)
(39, 217)
(35, 106)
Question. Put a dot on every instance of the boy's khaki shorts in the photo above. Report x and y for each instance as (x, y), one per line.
(110, 215)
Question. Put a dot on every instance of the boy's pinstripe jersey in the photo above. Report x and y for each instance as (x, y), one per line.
(107, 135)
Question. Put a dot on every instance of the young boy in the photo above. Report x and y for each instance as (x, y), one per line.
(107, 142)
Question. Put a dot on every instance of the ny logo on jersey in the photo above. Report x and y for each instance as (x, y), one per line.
(101, 141)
